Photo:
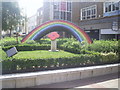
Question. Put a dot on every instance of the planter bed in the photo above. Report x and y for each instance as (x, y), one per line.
(54, 76)
(50, 68)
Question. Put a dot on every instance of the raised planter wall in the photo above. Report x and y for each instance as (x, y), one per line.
(55, 76)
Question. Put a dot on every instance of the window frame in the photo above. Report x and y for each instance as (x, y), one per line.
(65, 17)
(89, 12)
(112, 3)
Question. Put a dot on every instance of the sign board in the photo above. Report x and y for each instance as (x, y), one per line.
(109, 31)
(11, 52)
(115, 26)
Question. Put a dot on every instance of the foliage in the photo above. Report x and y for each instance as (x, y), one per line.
(99, 52)
(69, 60)
(97, 46)
(103, 46)
(73, 47)
(11, 15)
(28, 47)
(70, 45)
(31, 42)
(109, 57)
(43, 41)
(8, 41)
(3, 55)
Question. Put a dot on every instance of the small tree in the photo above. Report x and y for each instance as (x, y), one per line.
(11, 16)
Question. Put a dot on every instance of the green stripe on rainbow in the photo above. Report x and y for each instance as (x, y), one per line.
(45, 27)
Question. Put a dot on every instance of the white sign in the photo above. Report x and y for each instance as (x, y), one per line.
(11, 51)
(115, 26)
(109, 31)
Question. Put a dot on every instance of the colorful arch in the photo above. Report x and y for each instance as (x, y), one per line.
(47, 27)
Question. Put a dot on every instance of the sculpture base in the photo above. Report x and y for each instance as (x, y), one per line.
(53, 50)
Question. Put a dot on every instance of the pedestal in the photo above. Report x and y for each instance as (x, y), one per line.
(53, 46)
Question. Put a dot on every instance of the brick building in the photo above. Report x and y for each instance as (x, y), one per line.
(99, 19)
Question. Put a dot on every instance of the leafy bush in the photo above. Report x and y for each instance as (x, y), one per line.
(73, 47)
(103, 46)
(109, 57)
(46, 63)
(31, 42)
(9, 41)
(28, 47)
(44, 41)
(96, 46)
(3, 55)
(67, 44)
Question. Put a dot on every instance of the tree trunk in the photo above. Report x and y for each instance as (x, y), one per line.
(10, 33)
(0, 34)
(17, 37)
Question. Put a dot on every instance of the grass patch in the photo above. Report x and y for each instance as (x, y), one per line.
(42, 54)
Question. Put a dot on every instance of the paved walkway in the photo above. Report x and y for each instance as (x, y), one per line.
(106, 81)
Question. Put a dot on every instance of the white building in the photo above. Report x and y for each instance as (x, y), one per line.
(32, 22)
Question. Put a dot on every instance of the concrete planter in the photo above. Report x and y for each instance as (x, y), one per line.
(55, 76)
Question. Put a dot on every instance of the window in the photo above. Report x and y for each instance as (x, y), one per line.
(62, 10)
(111, 6)
(68, 6)
(89, 12)
(56, 6)
(68, 16)
(63, 6)
(56, 15)
(63, 15)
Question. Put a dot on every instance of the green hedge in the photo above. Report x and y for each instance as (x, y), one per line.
(10, 41)
(103, 46)
(70, 45)
(73, 47)
(96, 46)
(83, 59)
(28, 47)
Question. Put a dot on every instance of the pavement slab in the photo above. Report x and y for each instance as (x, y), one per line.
(105, 81)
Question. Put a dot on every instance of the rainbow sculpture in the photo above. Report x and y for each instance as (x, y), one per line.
(47, 27)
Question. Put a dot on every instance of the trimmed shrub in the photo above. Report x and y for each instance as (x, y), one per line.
(9, 41)
(109, 57)
(103, 46)
(28, 47)
(96, 46)
(44, 41)
(12, 64)
(31, 42)
(73, 47)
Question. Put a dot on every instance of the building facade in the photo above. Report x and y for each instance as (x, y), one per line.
(32, 22)
(99, 19)
(39, 16)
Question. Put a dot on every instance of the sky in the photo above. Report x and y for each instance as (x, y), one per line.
(30, 6)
